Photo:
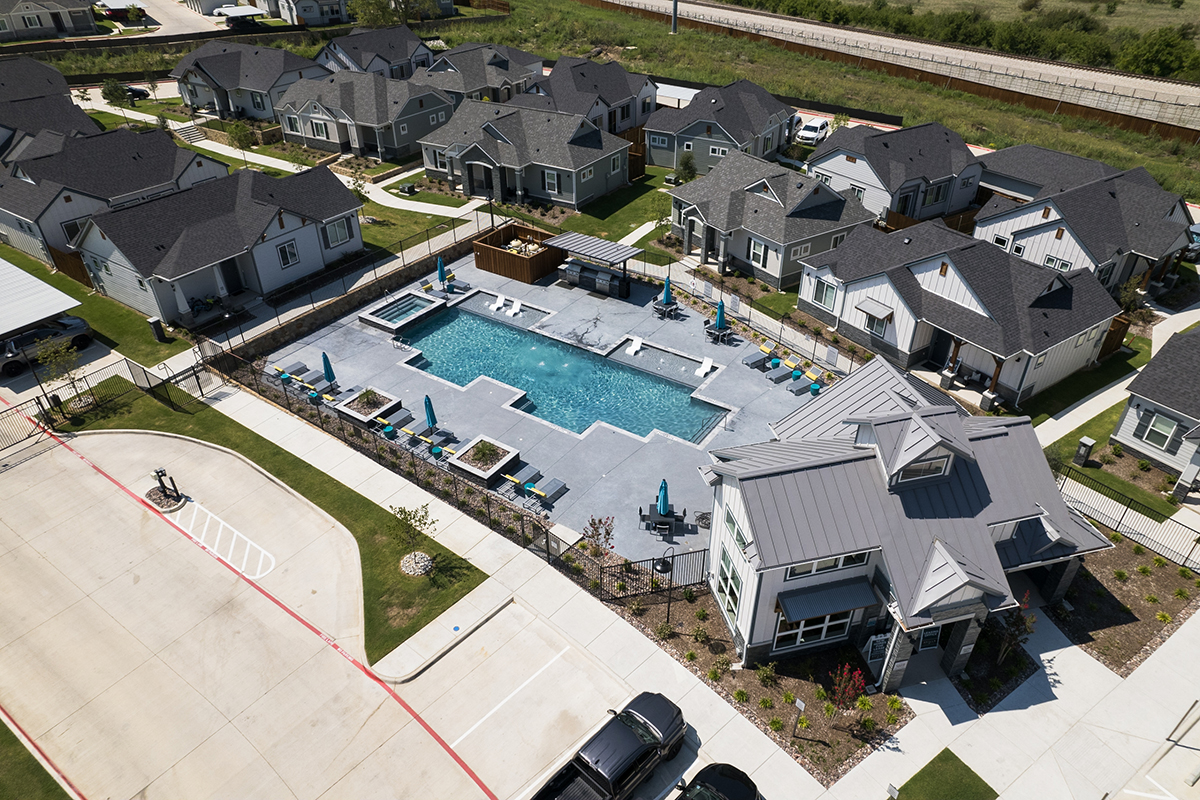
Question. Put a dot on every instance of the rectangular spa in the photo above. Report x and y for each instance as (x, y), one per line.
(398, 310)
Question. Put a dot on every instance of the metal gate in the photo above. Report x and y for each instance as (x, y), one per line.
(642, 577)
(18, 423)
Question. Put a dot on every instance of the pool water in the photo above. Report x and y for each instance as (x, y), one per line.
(565, 385)
(402, 309)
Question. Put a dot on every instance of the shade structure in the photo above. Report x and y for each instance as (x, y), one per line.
(667, 291)
(327, 368)
(720, 314)
(441, 270)
(664, 504)
(430, 417)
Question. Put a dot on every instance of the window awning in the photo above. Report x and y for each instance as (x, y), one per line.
(827, 598)
(874, 308)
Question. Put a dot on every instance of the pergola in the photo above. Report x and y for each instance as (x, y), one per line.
(593, 248)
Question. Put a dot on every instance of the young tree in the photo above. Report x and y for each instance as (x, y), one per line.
(413, 525)
(115, 95)
(135, 15)
(60, 362)
(161, 120)
(241, 137)
(598, 533)
(1015, 628)
(358, 186)
(151, 83)
(660, 208)
(685, 169)
(385, 13)
(1130, 296)
(839, 121)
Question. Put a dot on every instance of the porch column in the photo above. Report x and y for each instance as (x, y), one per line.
(989, 397)
(497, 184)
(1056, 583)
(181, 301)
(450, 173)
(962, 641)
(900, 649)
(703, 235)
(947, 376)
(520, 173)
(222, 291)
(723, 253)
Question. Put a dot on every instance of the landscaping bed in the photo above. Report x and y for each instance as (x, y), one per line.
(295, 153)
(987, 681)
(827, 745)
(1113, 617)
(1186, 292)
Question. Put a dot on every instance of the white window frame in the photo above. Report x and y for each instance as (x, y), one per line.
(858, 192)
(293, 124)
(1092, 333)
(614, 164)
(757, 253)
(936, 194)
(403, 128)
(3, 24)
(433, 119)
(658, 141)
(729, 586)
(37, 21)
(687, 146)
(142, 285)
(797, 571)
(837, 239)
(321, 132)
(719, 152)
(441, 116)
(1018, 250)
(767, 141)
(1104, 274)
(439, 161)
(1151, 429)
(1081, 338)
(801, 250)
(587, 174)
(256, 99)
(735, 530)
(1058, 263)
(822, 177)
(830, 292)
(924, 469)
(288, 253)
(1040, 360)
(551, 179)
(817, 629)
(876, 326)
(342, 225)
(1000, 241)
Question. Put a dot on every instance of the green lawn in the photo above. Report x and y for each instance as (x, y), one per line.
(160, 107)
(20, 773)
(292, 154)
(396, 224)
(115, 325)
(621, 212)
(396, 606)
(1066, 393)
(108, 120)
(946, 777)
(782, 303)
(1100, 427)
(433, 198)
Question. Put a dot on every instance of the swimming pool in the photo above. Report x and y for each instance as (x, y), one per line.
(391, 314)
(565, 385)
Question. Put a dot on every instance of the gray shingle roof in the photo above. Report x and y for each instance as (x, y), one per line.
(722, 197)
(1172, 378)
(575, 84)
(365, 97)
(930, 151)
(741, 108)
(518, 136)
(477, 66)
(178, 234)
(22, 78)
(27, 118)
(233, 65)
(1023, 316)
(394, 45)
(1051, 170)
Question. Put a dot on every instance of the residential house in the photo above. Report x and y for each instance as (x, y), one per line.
(45, 19)
(62, 181)
(613, 99)
(522, 155)
(476, 71)
(313, 13)
(362, 112)
(23, 121)
(1117, 225)
(886, 517)
(928, 294)
(240, 79)
(1161, 420)
(740, 116)
(761, 218)
(245, 233)
(392, 52)
(915, 173)
(22, 78)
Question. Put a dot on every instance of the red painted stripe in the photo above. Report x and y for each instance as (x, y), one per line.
(9, 718)
(279, 603)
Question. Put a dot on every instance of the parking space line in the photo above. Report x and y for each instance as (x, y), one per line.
(511, 695)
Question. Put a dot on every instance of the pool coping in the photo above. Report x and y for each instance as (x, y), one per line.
(394, 328)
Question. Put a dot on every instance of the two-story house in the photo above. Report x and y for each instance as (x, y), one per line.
(1161, 420)
(45, 19)
(915, 173)
(1119, 225)
(240, 79)
(521, 155)
(62, 181)
(886, 517)
(362, 112)
(392, 52)
(613, 99)
(313, 13)
(761, 218)
(475, 71)
(245, 233)
(740, 116)
(928, 294)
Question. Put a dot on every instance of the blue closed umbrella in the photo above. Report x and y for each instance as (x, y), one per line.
(663, 505)
(720, 315)
(441, 270)
(667, 291)
(430, 417)
(328, 368)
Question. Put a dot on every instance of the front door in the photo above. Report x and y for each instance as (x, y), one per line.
(929, 637)
(233, 278)
(904, 205)
(612, 121)
(58, 23)
(939, 349)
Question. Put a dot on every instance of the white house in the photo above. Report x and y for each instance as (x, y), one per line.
(313, 13)
(392, 52)
(240, 79)
(915, 173)
(244, 233)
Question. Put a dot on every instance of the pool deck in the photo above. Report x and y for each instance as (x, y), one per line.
(608, 472)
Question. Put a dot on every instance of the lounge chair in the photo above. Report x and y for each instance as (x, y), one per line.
(499, 304)
(783, 372)
(516, 309)
(546, 494)
(758, 360)
(802, 387)
(704, 367)
(634, 346)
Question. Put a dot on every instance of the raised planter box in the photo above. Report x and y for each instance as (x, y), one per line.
(477, 476)
(345, 412)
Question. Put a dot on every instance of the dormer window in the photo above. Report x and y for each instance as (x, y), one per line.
(932, 468)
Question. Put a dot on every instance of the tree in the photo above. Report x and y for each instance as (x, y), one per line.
(1130, 296)
(358, 186)
(385, 13)
(161, 119)
(59, 360)
(660, 208)
(115, 95)
(82, 95)
(413, 526)
(1161, 53)
(685, 170)
(135, 15)
(839, 121)
(598, 533)
(151, 82)
(1015, 628)
(241, 137)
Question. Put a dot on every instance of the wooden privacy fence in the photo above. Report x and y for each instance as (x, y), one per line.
(71, 265)
(492, 255)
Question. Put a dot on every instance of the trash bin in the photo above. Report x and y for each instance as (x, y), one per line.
(156, 328)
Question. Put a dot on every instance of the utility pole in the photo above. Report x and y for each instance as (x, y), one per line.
(674, 17)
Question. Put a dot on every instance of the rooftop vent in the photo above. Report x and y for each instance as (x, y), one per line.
(907, 240)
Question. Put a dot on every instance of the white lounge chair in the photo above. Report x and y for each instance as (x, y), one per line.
(516, 309)
(499, 304)
(704, 367)
(634, 346)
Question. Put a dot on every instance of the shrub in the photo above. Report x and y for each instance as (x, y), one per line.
(1151, 599)
(1117, 450)
(995, 684)
(577, 569)
(741, 695)
(1159, 561)
(829, 709)
(766, 674)
(821, 694)
(689, 595)
(1185, 573)
(664, 631)
(848, 684)
(1163, 617)
(714, 674)
(891, 718)
(637, 607)
(1182, 594)
(594, 585)
(1108, 458)
(802, 723)
(655, 583)
(690, 655)
(1138, 549)
(868, 724)
(1143, 465)
(723, 664)
(789, 698)
(1143, 569)
(1115, 537)
(701, 614)
(699, 635)
(620, 586)
(894, 702)
(766, 702)
(776, 724)
(863, 703)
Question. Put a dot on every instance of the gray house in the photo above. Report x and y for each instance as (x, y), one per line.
(313, 13)
(240, 79)
(61, 181)
(43, 120)
(392, 52)
(918, 173)
(522, 155)
(45, 19)
(884, 516)
(613, 99)
(362, 112)
(741, 116)
(1161, 420)
(930, 295)
(475, 71)
(761, 218)
(244, 233)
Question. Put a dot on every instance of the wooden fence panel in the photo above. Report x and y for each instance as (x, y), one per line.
(71, 265)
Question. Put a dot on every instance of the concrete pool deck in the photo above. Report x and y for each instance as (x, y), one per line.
(608, 472)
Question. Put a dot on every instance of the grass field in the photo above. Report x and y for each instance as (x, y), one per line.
(946, 777)
(160, 106)
(620, 213)
(21, 776)
(396, 224)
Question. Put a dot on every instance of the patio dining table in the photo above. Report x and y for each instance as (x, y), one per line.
(662, 522)
(666, 310)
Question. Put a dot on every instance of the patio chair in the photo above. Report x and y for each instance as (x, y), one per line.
(499, 304)
(634, 346)
(515, 310)
(547, 494)
(802, 387)
(757, 360)
(783, 372)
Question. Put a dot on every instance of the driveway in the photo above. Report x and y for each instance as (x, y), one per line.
(173, 18)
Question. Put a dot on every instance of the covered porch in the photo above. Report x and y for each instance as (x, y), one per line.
(968, 371)
(210, 292)
(705, 242)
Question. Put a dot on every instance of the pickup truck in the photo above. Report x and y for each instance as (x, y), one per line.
(622, 754)
(719, 782)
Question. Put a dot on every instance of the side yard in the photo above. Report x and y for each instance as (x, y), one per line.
(1046, 404)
